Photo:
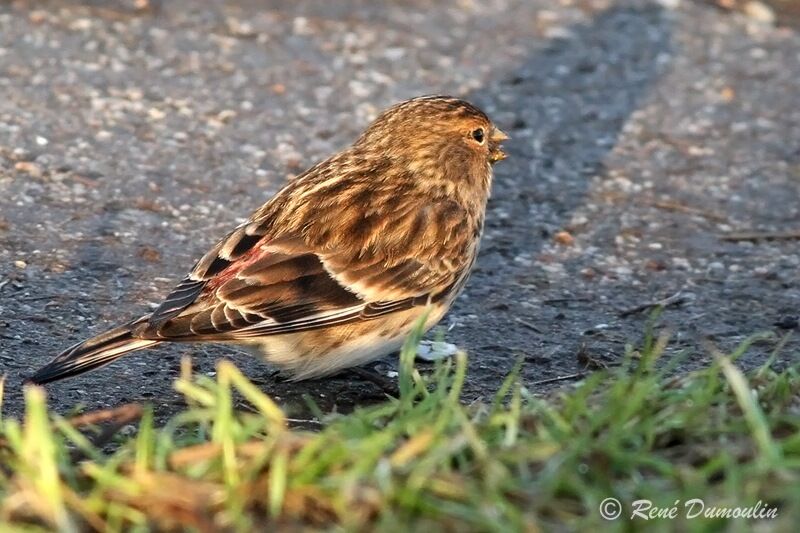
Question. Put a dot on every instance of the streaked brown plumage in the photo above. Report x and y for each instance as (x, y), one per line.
(338, 266)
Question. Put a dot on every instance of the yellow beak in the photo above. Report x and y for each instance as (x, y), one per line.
(496, 153)
(498, 135)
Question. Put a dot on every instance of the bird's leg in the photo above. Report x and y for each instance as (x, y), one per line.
(279, 377)
(389, 386)
(427, 351)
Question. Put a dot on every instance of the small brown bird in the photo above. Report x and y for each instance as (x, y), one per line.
(335, 270)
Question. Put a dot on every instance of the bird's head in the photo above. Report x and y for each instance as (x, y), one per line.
(438, 138)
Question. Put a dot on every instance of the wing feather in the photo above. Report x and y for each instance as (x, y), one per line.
(251, 284)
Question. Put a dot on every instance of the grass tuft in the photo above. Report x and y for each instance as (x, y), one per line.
(519, 462)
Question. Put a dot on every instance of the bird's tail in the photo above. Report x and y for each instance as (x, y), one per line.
(90, 354)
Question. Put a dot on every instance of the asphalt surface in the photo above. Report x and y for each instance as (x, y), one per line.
(643, 134)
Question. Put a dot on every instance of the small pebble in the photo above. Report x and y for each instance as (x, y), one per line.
(564, 238)
(727, 94)
(156, 114)
(787, 322)
(759, 11)
(29, 168)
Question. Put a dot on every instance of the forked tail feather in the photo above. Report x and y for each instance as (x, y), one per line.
(91, 353)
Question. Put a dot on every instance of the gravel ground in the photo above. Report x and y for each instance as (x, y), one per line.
(643, 132)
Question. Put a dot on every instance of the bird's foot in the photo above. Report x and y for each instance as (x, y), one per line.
(388, 385)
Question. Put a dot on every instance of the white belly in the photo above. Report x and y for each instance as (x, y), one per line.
(321, 352)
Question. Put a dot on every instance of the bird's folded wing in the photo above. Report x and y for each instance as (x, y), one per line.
(284, 286)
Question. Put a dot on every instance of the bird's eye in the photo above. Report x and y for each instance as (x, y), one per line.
(478, 135)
